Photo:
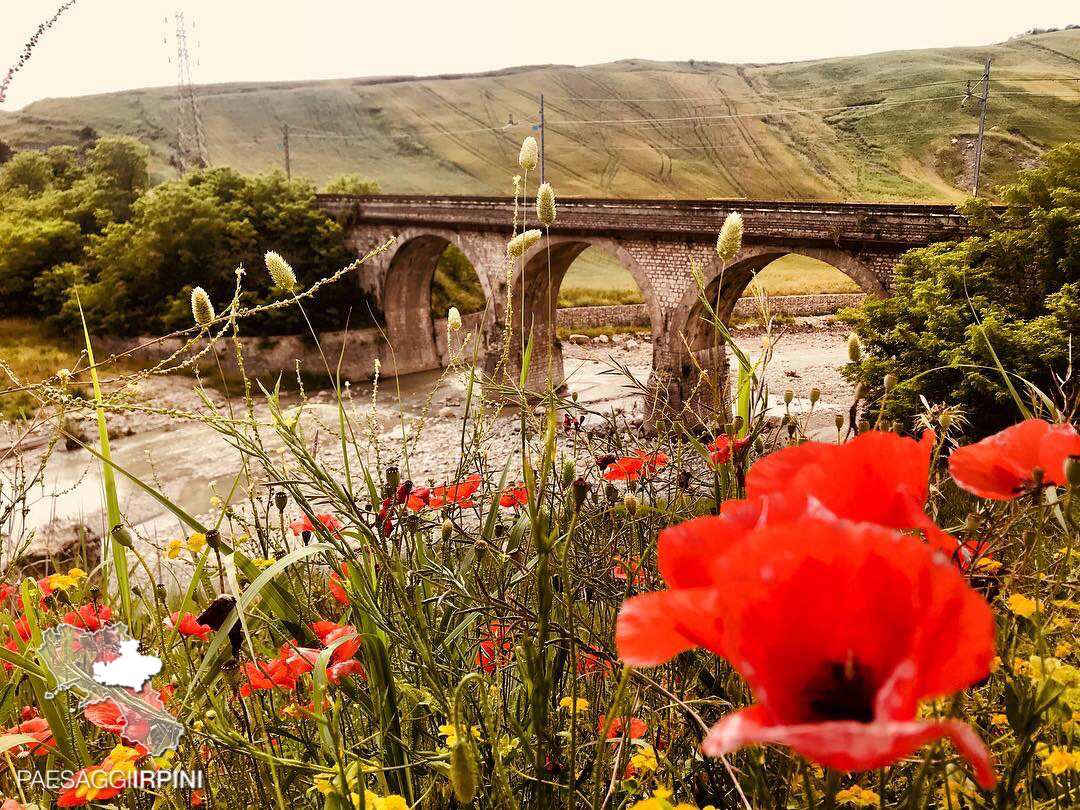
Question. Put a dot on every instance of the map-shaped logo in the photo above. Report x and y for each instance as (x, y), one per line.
(106, 666)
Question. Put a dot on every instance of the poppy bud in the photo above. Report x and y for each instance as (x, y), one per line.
(630, 503)
(62, 597)
(789, 395)
(447, 529)
(898, 427)
(122, 537)
(545, 204)
(729, 429)
(611, 493)
(604, 461)
(412, 522)
(567, 473)
(864, 425)
(213, 539)
(854, 348)
(136, 591)
(464, 770)
(281, 500)
(393, 477)
(972, 521)
(790, 429)
(161, 592)
(1072, 471)
(49, 600)
(403, 491)
(839, 421)
(211, 716)
(94, 593)
(580, 490)
(305, 536)
(737, 424)
(759, 445)
(815, 395)
(890, 382)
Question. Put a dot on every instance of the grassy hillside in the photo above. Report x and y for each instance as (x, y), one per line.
(834, 128)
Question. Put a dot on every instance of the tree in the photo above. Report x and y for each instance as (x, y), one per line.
(27, 173)
(196, 232)
(352, 184)
(1013, 286)
(121, 164)
(6, 152)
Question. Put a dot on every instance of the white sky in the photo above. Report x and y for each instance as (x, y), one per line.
(104, 45)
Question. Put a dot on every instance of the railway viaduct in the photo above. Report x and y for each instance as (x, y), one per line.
(657, 241)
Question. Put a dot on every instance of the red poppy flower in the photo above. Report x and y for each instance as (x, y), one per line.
(104, 780)
(1002, 466)
(590, 662)
(495, 648)
(877, 477)
(336, 585)
(629, 570)
(188, 625)
(343, 669)
(634, 727)
(329, 632)
(122, 721)
(6, 590)
(37, 728)
(327, 521)
(631, 468)
(89, 617)
(840, 629)
(267, 675)
(11, 804)
(460, 494)
(518, 496)
(721, 447)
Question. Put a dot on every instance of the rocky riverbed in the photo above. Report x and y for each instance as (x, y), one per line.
(195, 466)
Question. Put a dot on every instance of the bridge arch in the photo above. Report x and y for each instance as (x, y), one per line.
(724, 286)
(534, 292)
(406, 296)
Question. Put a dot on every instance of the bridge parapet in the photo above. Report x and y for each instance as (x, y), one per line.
(692, 220)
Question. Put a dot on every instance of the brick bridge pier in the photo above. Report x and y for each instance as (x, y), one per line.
(657, 241)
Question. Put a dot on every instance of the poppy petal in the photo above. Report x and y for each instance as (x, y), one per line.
(848, 745)
(654, 627)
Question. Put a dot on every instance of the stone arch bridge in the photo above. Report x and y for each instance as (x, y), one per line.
(657, 241)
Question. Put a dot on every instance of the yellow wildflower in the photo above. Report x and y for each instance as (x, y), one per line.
(193, 544)
(174, 549)
(995, 663)
(1058, 760)
(1022, 605)
(61, 582)
(262, 564)
(858, 797)
(450, 732)
(987, 565)
(999, 720)
(644, 759)
(392, 802)
(196, 542)
(567, 702)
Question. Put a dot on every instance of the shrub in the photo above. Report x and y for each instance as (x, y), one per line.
(352, 184)
(1014, 285)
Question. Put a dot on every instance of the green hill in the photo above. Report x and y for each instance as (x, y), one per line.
(883, 126)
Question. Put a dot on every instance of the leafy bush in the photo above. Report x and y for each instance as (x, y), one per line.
(1014, 285)
(352, 184)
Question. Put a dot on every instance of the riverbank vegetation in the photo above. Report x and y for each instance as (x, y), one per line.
(707, 611)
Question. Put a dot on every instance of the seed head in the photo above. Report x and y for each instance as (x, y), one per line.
(280, 271)
(522, 242)
(890, 382)
(545, 203)
(464, 771)
(453, 318)
(202, 310)
(729, 241)
(630, 503)
(529, 155)
(815, 395)
(854, 348)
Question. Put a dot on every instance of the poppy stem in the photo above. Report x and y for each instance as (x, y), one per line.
(808, 785)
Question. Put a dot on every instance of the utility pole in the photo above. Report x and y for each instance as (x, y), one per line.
(285, 144)
(982, 125)
(541, 137)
